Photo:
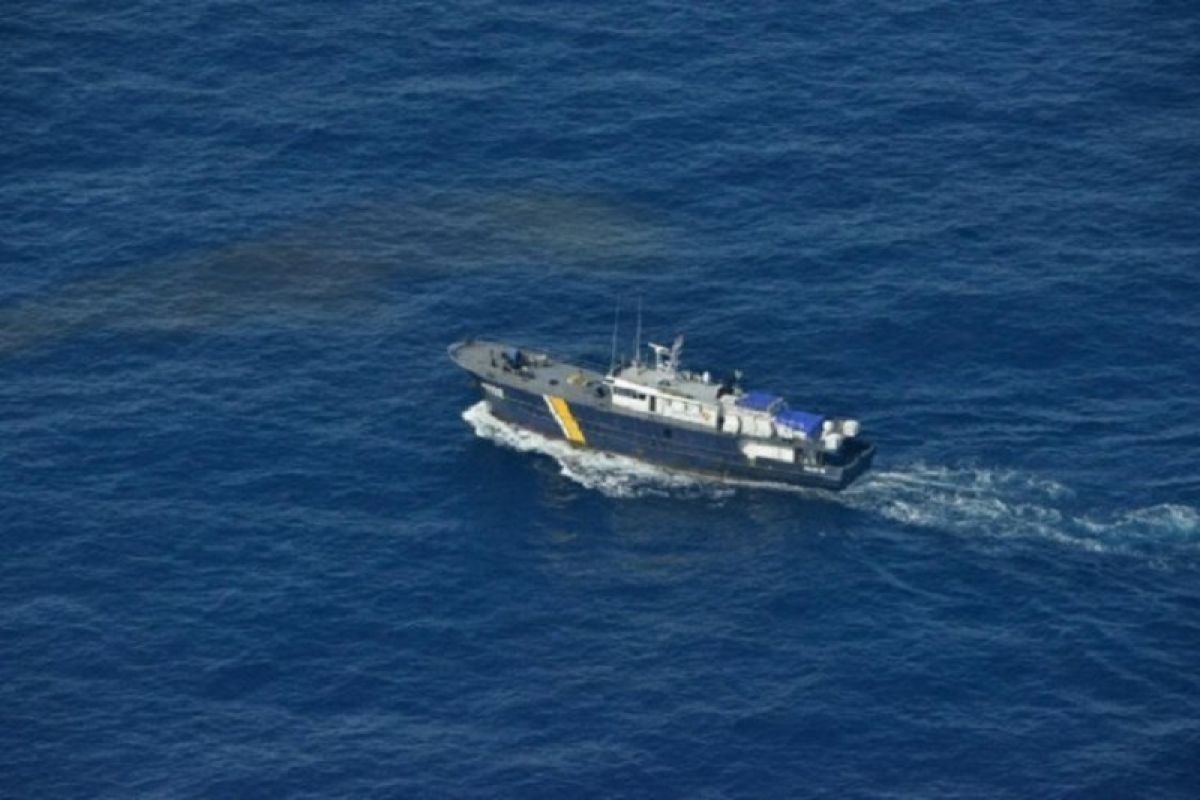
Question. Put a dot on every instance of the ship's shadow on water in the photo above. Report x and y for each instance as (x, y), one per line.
(975, 502)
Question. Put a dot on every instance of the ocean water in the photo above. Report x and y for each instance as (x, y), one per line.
(260, 539)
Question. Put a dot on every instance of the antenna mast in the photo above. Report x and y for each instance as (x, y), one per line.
(612, 356)
(637, 339)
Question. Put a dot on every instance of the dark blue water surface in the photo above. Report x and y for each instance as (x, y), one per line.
(251, 548)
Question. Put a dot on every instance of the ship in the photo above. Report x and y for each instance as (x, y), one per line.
(657, 412)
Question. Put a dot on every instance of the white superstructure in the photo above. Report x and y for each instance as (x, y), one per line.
(666, 390)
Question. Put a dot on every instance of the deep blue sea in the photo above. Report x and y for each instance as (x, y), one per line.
(258, 541)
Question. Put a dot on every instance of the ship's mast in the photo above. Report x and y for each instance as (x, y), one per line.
(612, 356)
(637, 338)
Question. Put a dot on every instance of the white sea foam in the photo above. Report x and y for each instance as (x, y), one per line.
(612, 475)
(1166, 518)
(1008, 502)
(968, 500)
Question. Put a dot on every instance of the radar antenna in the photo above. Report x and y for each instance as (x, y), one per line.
(666, 359)
(676, 349)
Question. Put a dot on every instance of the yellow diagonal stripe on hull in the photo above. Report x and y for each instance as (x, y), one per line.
(566, 420)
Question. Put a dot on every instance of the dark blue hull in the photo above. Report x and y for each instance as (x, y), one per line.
(676, 447)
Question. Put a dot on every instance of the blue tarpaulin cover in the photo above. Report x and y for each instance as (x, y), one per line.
(800, 420)
(758, 401)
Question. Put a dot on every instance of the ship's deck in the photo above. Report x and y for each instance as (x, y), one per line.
(539, 372)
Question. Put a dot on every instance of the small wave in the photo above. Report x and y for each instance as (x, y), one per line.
(965, 500)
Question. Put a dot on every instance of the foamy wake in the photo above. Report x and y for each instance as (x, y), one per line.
(966, 500)
(612, 475)
(1007, 502)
